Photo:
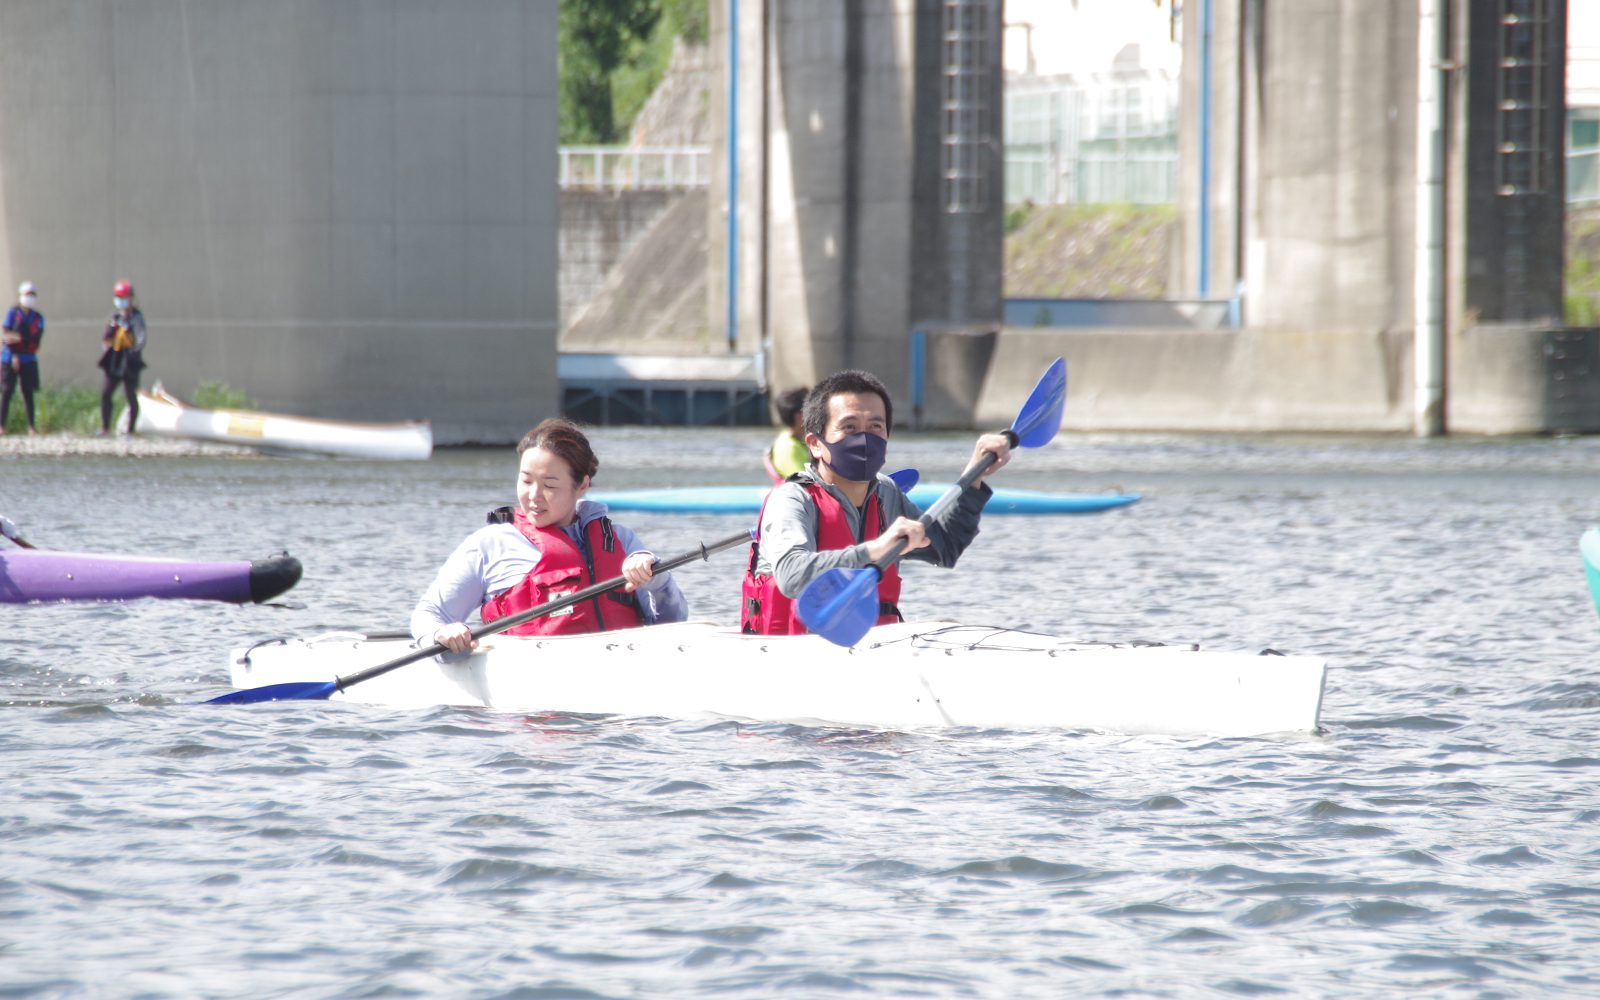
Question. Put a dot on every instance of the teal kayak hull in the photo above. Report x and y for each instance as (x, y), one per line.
(747, 499)
(1589, 547)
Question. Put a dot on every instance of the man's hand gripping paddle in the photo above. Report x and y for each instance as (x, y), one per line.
(319, 690)
(842, 604)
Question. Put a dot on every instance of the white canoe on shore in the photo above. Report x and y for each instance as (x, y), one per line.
(165, 415)
(914, 675)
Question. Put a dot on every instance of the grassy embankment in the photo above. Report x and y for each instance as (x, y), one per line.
(75, 409)
(1121, 251)
(1581, 290)
(1088, 251)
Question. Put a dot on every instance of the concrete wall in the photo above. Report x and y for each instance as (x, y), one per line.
(653, 301)
(844, 240)
(345, 207)
(1312, 152)
(1230, 380)
(1312, 164)
(598, 228)
(1256, 380)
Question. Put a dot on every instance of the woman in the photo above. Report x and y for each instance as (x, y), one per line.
(553, 543)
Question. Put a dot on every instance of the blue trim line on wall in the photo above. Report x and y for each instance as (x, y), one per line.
(1207, 10)
(731, 137)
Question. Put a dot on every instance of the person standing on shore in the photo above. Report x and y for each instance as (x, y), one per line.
(123, 357)
(19, 353)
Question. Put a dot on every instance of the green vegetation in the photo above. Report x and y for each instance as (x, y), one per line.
(1088, 251)
(613, 53)
(1016, 215)
(59, 408)
(75, 409)
(1581, 290)
(221, 396)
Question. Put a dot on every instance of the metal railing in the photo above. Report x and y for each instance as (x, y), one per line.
(1097, 140)
(634, 168)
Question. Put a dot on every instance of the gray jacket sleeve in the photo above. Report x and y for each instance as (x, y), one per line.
(788, 549)
(949, 536)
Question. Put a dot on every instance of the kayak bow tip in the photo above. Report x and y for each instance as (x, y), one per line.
(273, 575)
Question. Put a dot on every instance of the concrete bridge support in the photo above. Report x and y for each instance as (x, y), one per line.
(1300, 171)
(347, 208)
(867, 165)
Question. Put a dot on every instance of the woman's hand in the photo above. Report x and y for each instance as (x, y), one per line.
(996, 443)
(457, 638)
(638, 568)
(913, 532)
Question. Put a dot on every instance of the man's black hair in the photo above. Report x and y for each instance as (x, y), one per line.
(789, 402)
(839, 384)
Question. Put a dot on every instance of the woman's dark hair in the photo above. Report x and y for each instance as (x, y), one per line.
(789, 403)
(562, 438)
(859, 383)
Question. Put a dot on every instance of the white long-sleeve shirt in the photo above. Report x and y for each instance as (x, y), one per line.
(496, 558)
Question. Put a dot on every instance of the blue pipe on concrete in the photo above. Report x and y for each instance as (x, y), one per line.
(1207, 8)
(731, 137)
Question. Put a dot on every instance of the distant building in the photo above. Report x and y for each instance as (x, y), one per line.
(1111, 137)
(1583, 104)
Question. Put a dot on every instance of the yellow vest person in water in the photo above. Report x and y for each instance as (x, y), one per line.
(788, 453)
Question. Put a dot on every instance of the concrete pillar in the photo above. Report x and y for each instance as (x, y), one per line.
(850, 230)
(1332, 86)
(1312, 145)
(346, 208)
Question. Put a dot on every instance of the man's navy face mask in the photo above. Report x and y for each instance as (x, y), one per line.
(858, 457)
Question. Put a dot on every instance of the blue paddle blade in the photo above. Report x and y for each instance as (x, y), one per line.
(841, 604)
(1040, 417)
(293, 691)
(905, 479)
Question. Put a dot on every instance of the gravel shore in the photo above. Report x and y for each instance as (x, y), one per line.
(61, 445)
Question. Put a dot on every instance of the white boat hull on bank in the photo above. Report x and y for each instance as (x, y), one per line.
(914, 675)
(165, 415)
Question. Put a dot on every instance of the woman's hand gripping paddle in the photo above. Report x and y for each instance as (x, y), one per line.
(842, 604)
(319, 690)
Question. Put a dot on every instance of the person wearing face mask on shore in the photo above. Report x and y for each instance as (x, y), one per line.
(123, 358)
(840, 511)
(554, 542)
(19, 353)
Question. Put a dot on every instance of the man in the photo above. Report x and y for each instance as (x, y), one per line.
(123, 357)
(839, 511)
(788, 453)
(19, 353)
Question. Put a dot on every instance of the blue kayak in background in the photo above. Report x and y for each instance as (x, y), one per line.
(1589, 548)
(747, 499)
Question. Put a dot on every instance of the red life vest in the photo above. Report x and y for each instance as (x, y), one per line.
(562, 569)
(765, 611)
(30, 329)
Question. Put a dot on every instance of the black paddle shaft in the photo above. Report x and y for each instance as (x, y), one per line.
(704, 552)
(942, 504)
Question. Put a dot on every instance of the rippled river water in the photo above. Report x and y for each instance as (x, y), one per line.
(1440, 837)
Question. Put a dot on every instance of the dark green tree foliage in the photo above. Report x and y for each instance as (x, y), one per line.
(597, 36)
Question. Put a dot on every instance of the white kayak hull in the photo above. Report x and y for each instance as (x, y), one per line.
(165, 415)
(901, 677)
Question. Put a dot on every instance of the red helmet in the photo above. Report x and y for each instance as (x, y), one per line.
(122, 289)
